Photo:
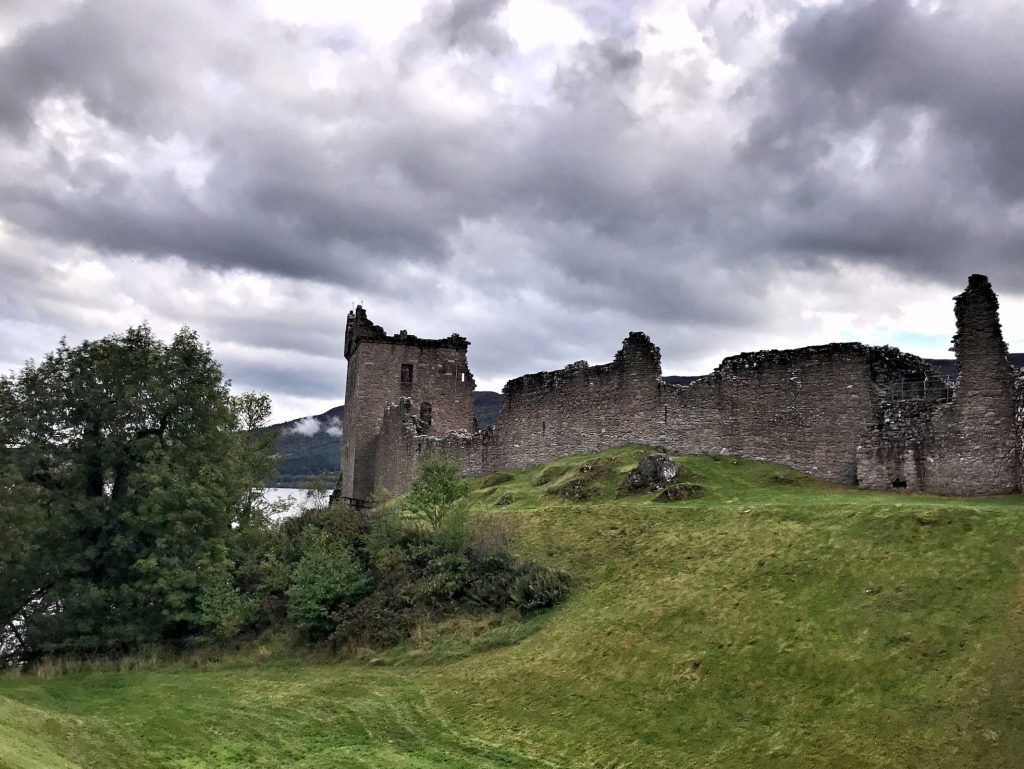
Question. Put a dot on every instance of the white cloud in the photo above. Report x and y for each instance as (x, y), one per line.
(308, 427)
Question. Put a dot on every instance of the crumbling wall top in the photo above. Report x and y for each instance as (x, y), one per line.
(977, 322)
(885, 361)
(637, 352)
(359, 328)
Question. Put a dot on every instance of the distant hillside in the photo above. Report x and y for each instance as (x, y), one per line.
(487, 406)
(943, 367)
(310, 447)
(947, 366)
(681, 380)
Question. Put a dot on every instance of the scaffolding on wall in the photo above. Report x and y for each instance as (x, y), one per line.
(937, 389)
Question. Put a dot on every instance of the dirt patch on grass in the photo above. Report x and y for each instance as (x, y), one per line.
(495, 479)
(680, 491)
(587, 483)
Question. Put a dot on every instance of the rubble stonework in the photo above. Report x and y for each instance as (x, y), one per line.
(847, 412)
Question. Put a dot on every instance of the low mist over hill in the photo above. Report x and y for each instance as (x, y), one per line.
(310, 448)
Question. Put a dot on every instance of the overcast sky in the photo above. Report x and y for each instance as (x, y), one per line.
(542, 176)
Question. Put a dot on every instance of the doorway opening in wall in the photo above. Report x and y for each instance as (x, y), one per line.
(426, 413)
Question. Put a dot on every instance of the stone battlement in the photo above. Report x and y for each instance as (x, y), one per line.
(359, 329)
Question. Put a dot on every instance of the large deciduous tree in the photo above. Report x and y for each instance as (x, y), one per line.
(122, 471)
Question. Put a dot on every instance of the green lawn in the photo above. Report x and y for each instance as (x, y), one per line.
(777, 621)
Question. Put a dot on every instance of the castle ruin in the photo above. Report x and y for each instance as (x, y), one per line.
(847, 412)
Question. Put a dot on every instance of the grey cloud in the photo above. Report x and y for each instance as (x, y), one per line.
(469, 24)
(935, 95)
(672, 217)
(122, 56)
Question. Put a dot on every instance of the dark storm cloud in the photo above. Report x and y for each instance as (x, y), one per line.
(468, 25)
(294, 187)
(624, 180)
(938, 96)
(118, 56)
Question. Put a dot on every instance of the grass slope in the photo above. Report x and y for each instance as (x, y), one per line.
(775, 621)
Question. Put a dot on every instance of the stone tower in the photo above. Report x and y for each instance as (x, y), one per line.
(985, 407)
(432, 373)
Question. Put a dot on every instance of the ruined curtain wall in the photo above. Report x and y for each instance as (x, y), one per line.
(970, 445)
(840, 412)
(807, 409)
(1019, 392)
(579, 409)
(973, 445)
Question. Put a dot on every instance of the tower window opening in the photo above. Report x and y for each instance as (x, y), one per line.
(406, 373)
(426, 413)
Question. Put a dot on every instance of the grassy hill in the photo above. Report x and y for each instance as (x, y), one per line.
(775, 621)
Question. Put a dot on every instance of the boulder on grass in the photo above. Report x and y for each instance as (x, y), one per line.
(654, 473)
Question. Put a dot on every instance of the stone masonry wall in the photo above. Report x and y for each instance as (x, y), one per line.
(974, 446)
(576, 410)
(1019, 391)
(844, 412)
(807, 408)
(804, 408)
(403, 445)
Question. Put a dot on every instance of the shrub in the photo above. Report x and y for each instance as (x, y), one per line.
(502, 583)
(327, 578)
(437, 494)
(224, 610)
(538, 587)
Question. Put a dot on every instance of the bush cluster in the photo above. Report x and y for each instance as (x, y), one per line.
(352, 582)
(131, 517)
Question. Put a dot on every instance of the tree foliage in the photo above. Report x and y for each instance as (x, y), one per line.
(123, 470)
(437, 494)
(327, 578)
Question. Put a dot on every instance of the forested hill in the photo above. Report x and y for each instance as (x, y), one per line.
(311, 447)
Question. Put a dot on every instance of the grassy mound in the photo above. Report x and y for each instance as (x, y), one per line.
(774, 620)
